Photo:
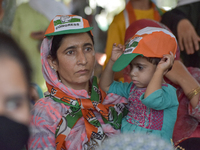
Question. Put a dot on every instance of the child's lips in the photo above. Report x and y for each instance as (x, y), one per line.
(135, 82)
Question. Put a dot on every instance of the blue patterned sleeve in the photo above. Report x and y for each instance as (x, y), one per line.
(119, 88)
(162, 98)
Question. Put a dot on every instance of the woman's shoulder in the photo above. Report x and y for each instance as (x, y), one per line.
(46, 107)
(44, 102)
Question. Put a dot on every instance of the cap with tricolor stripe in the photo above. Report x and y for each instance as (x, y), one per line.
(67, 24)
(148, 42)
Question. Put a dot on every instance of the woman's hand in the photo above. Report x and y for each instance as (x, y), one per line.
(166, 63)
(117, 51)
(187, 37)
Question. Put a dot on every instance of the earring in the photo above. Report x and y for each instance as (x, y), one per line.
(53, 68)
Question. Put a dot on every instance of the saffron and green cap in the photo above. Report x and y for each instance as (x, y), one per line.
(67, 24)
(148, 42)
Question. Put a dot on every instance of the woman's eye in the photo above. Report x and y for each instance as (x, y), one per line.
(88, 49)
(69, 52)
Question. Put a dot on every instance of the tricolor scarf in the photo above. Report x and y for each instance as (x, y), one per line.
(130, 17)
(79, 107)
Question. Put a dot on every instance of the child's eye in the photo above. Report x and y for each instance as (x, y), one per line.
(140, 67)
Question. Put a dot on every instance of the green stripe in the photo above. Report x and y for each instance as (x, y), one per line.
(73, 118)
(57, 22)
(94, 94)
(59, 101)
(71, 31)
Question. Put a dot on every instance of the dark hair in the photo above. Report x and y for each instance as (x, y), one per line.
(9, 48)
(56, 42)
(153, 60)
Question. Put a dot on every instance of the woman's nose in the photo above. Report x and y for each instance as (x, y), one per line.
(81, 58)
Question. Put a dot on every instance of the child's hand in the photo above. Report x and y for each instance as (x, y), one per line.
(166, 63)
(117, 51)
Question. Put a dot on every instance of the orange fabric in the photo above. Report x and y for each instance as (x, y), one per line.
(131, 14)
(154, 48)
(50, 29)
(60, 145)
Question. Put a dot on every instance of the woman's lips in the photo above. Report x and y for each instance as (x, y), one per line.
(82, 71)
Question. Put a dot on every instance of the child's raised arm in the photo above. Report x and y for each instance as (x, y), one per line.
(157, 79)
(107, 76)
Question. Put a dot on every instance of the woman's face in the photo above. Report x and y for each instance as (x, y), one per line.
(75, 60)
(14, 102)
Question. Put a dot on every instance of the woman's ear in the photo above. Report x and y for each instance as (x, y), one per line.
(52, 62)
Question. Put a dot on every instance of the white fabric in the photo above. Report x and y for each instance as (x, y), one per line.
(149, 30)
(49, 8)
(126, 18)
(184, 2)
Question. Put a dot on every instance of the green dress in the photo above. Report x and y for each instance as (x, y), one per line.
(28, 20)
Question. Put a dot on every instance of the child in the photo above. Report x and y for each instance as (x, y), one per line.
(152, 103)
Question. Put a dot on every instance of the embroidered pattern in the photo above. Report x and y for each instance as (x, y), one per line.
(141, 115)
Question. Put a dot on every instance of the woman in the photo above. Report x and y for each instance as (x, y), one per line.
(75, 114)
(186, 81)
(15, 80)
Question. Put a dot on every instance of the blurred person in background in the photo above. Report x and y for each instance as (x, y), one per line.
(15, 78)
(30, 22)
(7, 11)
(134, 10)
(184, 22)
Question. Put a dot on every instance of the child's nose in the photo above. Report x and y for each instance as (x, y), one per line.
(133, 72)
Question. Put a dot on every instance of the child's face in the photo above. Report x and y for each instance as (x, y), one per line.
(141, 71)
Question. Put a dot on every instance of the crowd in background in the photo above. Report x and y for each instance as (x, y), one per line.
(44, 105)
